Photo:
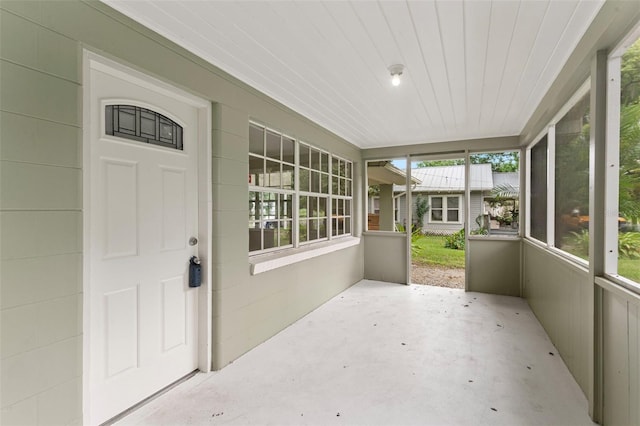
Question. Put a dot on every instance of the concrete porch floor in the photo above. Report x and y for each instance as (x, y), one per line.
(389, 354)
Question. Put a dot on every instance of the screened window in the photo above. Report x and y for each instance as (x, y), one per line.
(445, 209)
(495, 195)
(622, 226)
(538, 196)
(572, 180)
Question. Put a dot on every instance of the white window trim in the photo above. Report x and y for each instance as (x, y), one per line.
(445, 209)
(267, 262)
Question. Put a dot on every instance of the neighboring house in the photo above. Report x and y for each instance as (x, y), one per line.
(444, 189)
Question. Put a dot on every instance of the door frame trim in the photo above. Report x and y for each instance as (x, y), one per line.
(90, 61)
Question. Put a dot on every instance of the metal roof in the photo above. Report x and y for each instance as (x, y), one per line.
(451, 178)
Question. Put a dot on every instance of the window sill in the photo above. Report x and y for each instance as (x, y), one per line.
(267, 262)
(576, 263)
(386, 233)
(498, 237)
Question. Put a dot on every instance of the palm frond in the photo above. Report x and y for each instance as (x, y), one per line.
(505, 191)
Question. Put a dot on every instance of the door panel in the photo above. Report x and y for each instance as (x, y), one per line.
(174, 314)
(143, 210)
(173, 209)
(121, 324)
(120, 207)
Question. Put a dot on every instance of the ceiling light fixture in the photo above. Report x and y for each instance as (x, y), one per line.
(396, 72)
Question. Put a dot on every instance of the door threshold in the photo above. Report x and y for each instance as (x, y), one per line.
(150, 398)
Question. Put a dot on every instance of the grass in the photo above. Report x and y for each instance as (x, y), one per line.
(629, 268)
(433, 252)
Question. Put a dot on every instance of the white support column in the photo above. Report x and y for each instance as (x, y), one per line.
(467, 215)
(408, 203)
(551, 186)
(597, 213)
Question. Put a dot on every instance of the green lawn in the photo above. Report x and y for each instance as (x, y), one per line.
(629, 268)
(433, 252)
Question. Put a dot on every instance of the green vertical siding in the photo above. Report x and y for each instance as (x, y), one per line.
(560, 295)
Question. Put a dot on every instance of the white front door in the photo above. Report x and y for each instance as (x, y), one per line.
(143, 212)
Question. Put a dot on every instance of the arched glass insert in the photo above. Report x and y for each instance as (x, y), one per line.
(142, 125)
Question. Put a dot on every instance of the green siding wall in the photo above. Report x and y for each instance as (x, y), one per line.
(40, 225)
(621, 356)
(561, 297)
(41, 201)
(386, 256)
(494, 266)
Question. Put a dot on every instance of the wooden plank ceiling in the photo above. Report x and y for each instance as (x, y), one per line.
(474, 69)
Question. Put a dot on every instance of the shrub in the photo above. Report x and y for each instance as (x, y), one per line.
(455, 241)
(629, 245)
(416, 234)
(479, 231)
(580, 240)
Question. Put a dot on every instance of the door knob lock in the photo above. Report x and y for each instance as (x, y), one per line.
(195, 272)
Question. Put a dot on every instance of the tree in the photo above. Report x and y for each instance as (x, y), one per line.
(422, 207)
(629, 192)
(441, 163)
(630, 75)
(500, 161)
(629, 180)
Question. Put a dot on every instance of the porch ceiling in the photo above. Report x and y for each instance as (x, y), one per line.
(474, 69)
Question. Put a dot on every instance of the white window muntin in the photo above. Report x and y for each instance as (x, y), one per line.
(444, 207)
(271, 219)
(277, 171)
(342, 201)
(325, 158)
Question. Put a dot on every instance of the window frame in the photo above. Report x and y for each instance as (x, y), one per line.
(345, 198)
(612, 157)
(311, 193)
(445, 209)
(549, 131)
(529, 189)
(297, 193)
(278, 191)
